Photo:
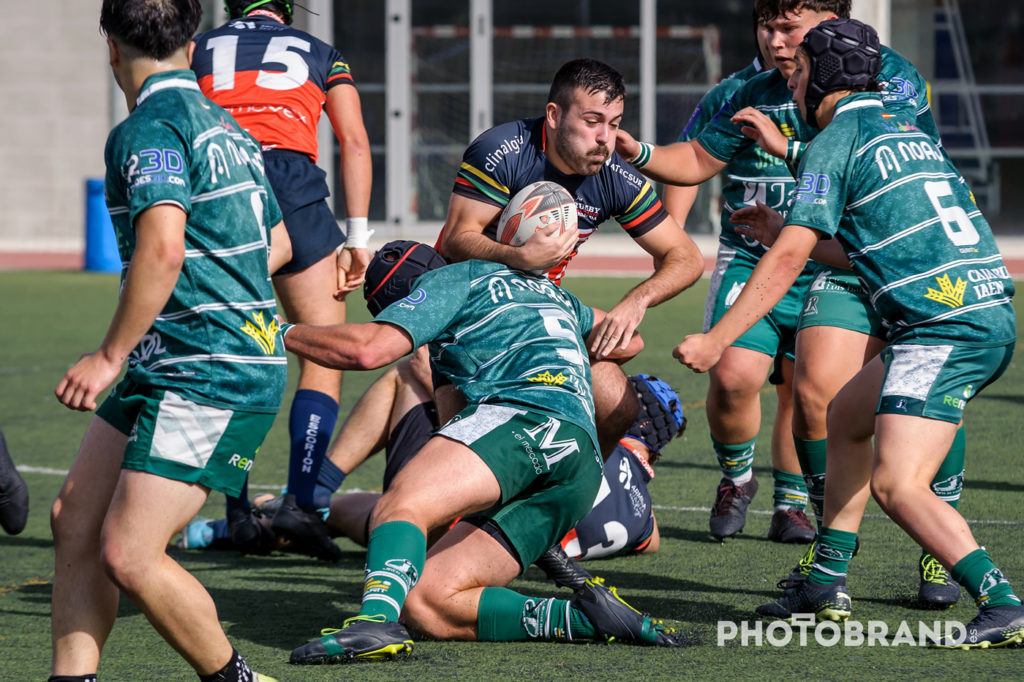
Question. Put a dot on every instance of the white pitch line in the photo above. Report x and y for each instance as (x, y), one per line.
(883, 517)
(992, 522)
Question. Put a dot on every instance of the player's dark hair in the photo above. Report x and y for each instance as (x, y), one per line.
(588, 75)
(237, 9)
(769, 10)
(156, 28)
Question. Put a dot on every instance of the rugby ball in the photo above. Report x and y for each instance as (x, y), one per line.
(533, 208)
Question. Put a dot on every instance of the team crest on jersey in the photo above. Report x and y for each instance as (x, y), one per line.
(264, 333)
(948, 293)
(546, 377)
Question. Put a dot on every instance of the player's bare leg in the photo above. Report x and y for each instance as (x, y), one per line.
(307, 297)
(615, 405)
(734, 419)
(84, 600)
(445, 602)
(145, 512)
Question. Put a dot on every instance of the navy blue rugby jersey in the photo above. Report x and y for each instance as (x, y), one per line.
(510, 156)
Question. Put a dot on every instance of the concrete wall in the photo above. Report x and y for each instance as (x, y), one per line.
(56, 116)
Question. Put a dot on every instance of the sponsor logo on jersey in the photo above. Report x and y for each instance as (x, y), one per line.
(899, 90)
(264, 333)
(150, 345)
(591, 212)
(546, 377)
(948, 293)
(508, 146)
(787, 130)
(988, 281)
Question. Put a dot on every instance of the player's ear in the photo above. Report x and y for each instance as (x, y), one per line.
(191, 50)
(115, 54)
(552, 115)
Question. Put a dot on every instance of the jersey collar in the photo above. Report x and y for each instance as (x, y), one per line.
(183, 78)
(858, 100)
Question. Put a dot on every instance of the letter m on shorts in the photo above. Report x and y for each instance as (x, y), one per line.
(544, 436)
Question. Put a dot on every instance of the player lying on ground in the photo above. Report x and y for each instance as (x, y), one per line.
(519, 465)
(909, 227)
(397, 415)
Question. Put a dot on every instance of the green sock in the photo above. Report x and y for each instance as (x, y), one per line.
(790, 490)
(504, 615)
(984, 581)
(811, 454)
(949, 479)
(394, 558)
(833, 552)
(735, 460)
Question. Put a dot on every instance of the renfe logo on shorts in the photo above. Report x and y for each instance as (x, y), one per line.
(243, 463)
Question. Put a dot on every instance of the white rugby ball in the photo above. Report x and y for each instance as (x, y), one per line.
(533, 208)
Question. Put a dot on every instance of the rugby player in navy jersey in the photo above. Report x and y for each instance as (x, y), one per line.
(518, 466)
(877, 194)
(276, 81)
(573, 144)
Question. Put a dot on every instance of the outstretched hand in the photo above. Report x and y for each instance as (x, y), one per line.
(759, 222)
(762, 130)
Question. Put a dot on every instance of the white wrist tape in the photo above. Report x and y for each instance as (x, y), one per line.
(357, 233)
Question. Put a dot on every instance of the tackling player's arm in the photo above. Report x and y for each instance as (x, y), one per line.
(149, 281)
(349, 346)
(346, 115)
(679, 163)
(764, 224)
(677, 265)
(464, 238)
(768, 283)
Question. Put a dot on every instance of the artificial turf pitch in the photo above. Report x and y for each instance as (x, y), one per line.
(269, 605)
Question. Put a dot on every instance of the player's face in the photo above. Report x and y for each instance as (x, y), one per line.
(786, 32)
(584, 136)
(763, 36)
(797, 82)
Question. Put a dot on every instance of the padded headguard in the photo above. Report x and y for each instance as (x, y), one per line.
(843, 54)
(394, 269)
(239, 8)
(660, 417)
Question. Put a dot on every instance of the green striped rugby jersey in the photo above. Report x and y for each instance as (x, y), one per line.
(751, 174)
(909, 225)
(503, 336)
(216, 340)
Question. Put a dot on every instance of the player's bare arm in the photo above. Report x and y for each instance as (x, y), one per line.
(150, 280)
(771, 279)
(762, 130)
(764, 224)
(677, 265)
(464, 239)
(679, 163)
(678, 200)
(349, 346)
(346, 115)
